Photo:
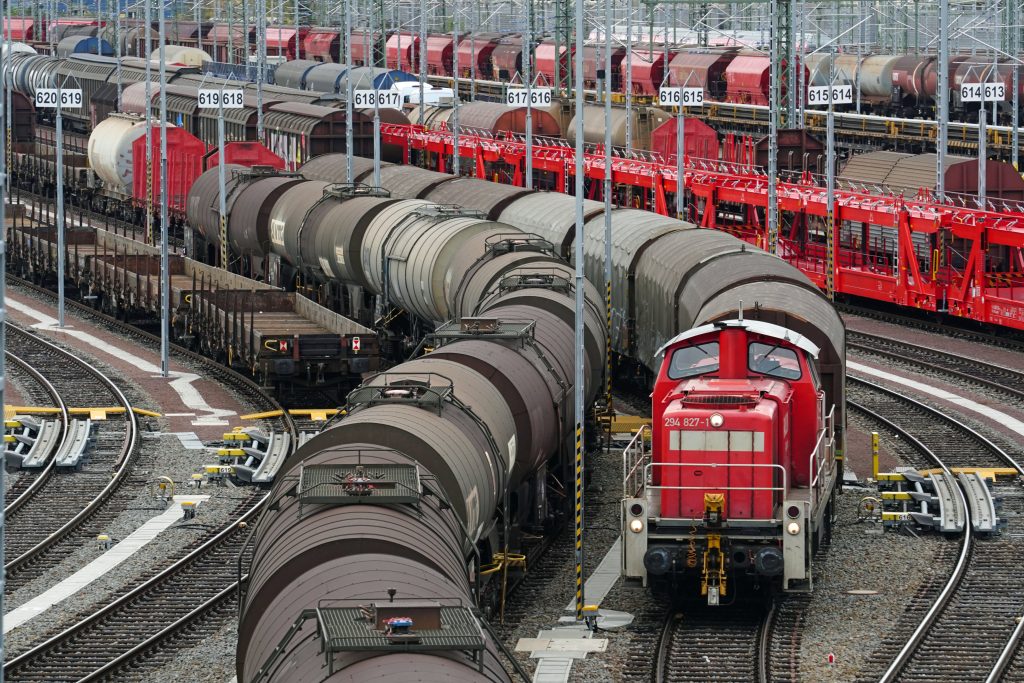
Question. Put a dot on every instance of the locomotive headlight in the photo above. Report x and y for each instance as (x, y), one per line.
(793, 528)
(716, 420)
(636, 526)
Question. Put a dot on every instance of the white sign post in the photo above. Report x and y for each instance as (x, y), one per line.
(220, 100)
(58, 98)
(679, 97)
(384, 99)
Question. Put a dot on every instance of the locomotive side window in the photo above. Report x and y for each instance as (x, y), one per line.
(773, 360)
(691, 361)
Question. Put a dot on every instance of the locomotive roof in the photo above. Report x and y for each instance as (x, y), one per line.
(755, 326)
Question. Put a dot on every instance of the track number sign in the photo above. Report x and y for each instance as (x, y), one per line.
(687, 97)
(215, 99)
(823, 94)
(68, 98)
(993, 92)
(536, 97)
(383, 99)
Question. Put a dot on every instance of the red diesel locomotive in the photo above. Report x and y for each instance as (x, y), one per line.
(738, 484)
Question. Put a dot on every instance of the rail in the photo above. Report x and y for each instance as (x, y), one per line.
(125, 460)
(139, 592)
(960, 569)
(51, 463)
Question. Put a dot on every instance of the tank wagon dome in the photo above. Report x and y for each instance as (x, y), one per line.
(332, 168)
(203, 206)
(110, 149)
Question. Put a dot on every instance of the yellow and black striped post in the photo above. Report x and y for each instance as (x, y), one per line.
(608, 347)
(579, 521)
(223, 241)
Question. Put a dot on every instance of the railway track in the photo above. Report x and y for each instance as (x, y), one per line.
(1005, 382)
(981, 595)
(40, 392)
(257, 397)
(714, 645)
(65, 507)
(140, 627)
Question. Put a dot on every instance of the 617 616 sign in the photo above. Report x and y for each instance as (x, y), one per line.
(536, 97)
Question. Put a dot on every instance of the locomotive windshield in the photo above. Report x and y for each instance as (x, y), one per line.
(773, 360)
(691, 361)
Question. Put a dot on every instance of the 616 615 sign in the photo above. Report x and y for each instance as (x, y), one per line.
(536, 97)
(48, 98)
(215, 99)
(686, 97)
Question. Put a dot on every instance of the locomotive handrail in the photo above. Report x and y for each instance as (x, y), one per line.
(783, 488)
(825, 442)
(629, 473)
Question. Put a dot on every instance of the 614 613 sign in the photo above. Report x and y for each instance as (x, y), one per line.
(993, 92)
(68, 98)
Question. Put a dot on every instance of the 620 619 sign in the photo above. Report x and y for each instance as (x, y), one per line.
(49, 98)
(536, 97)
(215, 99)
(993, 92)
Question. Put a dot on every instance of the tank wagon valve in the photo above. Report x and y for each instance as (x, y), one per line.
(399, 630)
(188, 508)
(358, 483)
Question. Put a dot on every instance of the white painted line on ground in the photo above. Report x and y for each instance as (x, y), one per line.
(98, 567)
(999, 416)
(181, 382)
(603, 578)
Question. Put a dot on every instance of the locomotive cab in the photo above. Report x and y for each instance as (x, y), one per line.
(738, 480)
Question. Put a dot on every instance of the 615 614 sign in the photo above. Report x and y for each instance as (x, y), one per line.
(823, 94)
(48, 98)
(215, 99)
(519, 97)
